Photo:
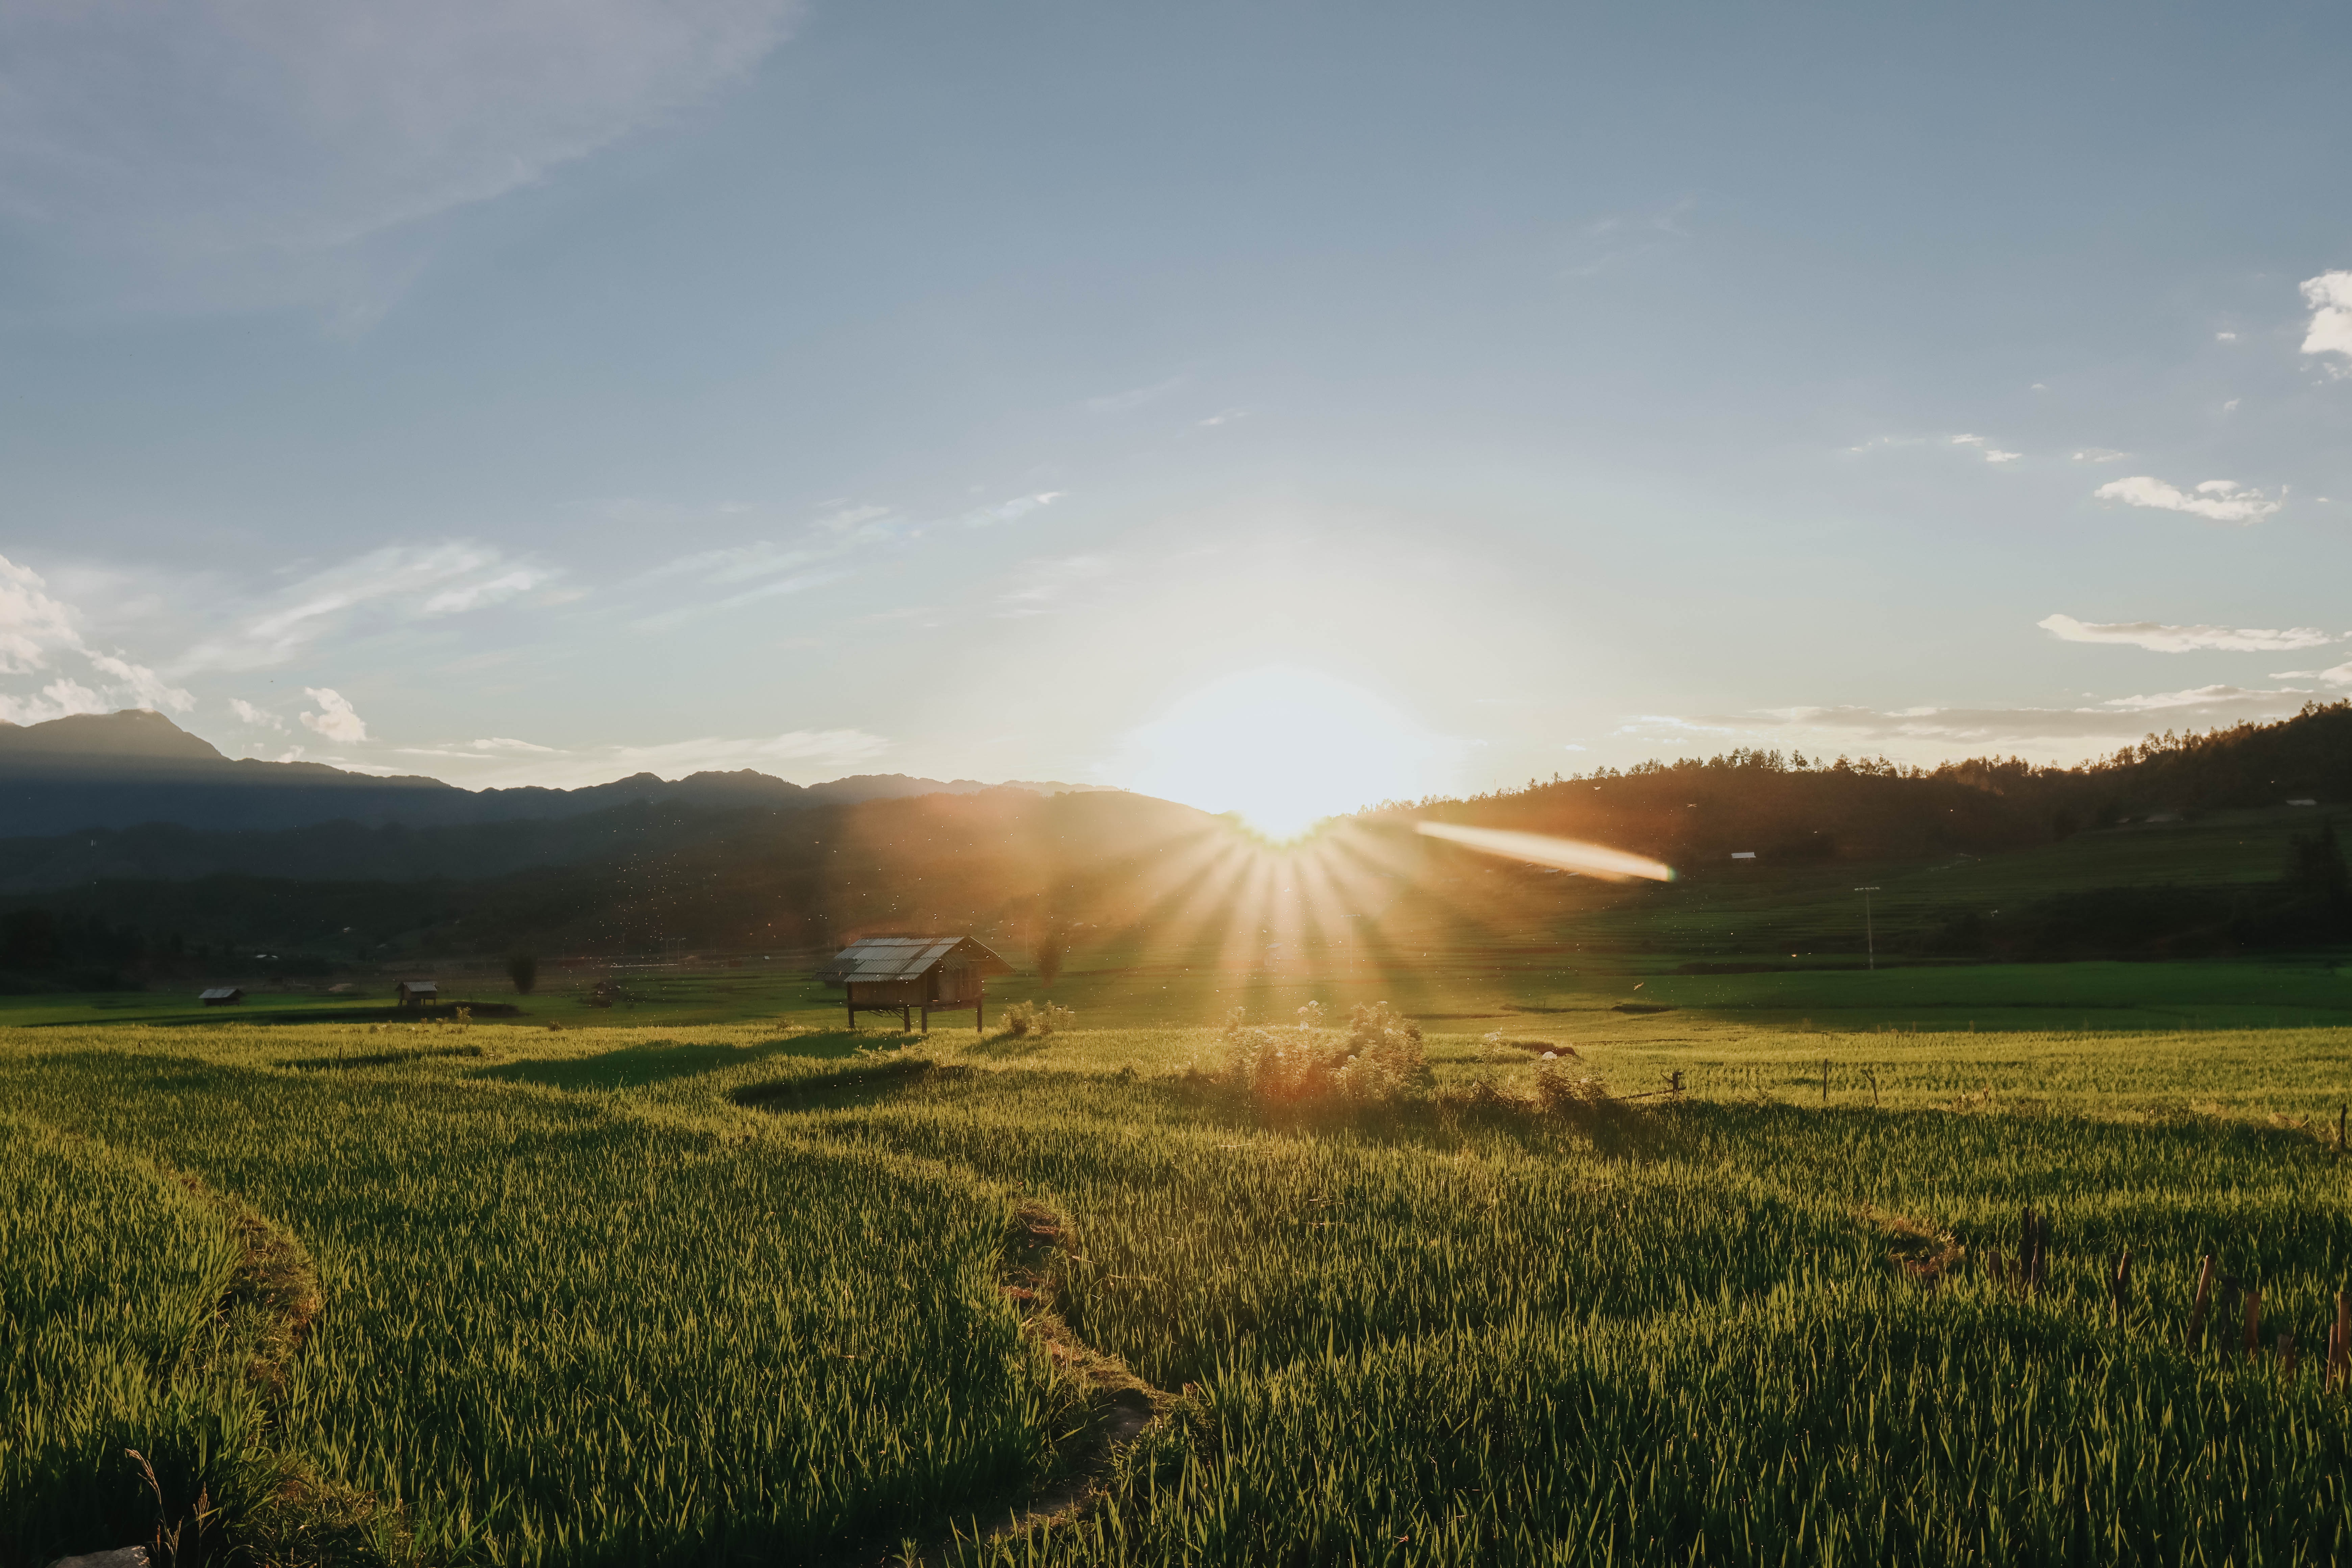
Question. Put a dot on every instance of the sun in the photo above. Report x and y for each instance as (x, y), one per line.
(1286, 747)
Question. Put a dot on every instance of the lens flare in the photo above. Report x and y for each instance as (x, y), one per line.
(1541, 849)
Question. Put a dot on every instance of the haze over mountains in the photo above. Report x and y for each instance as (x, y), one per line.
(136, 767)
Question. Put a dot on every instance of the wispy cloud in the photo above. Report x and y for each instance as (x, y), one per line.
(506, 743)
(1993, 454)
(1048, 584)
(2329, 295)
(2119, 717)
(1135, 397)
(2100, 455)
(2340, 675)
(260, 718)
(1007, 510)
(38, 633)
(1222, 417)
(217, 145)
(402, 582)
(2158, 637)
(2216, 500)
(803, 757)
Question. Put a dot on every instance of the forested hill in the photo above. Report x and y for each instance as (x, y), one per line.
(134, 768)
(1791, 809)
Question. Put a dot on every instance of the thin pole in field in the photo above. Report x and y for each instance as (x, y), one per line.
(2341, 1349)
(1869, 931)
(2204, 1293)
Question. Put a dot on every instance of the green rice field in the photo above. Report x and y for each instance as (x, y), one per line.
(632, 1291)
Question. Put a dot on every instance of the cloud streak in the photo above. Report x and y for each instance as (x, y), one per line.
(2158, 637)
(404, 582)
(1993, 454)
(2216, 500)
(195, 136)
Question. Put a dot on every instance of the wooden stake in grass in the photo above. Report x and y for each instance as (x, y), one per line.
(2340, 1347)
(1826, 1083)
(2197, 1312)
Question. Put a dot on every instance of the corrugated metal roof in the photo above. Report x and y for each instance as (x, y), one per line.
(218, 990)
(902, 957)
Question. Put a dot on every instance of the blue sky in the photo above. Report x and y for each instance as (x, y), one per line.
(537, 392)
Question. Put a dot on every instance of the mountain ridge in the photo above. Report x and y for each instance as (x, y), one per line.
(135, 768)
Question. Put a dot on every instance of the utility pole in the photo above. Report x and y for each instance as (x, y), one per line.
(1869, 932)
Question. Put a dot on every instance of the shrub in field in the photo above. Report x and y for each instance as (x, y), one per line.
(1559, 1085)
(1379, 1060)
(523, 969)
(1024, 1018)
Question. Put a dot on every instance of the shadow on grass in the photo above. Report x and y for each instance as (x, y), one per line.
(658, 1062)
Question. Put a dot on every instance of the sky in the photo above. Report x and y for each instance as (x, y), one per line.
(1284, 405)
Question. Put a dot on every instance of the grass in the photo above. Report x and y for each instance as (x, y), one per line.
(698, 1293)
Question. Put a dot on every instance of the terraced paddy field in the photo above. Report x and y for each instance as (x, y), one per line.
(752, 1292)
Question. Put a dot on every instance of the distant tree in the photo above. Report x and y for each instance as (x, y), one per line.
(523, 969)
(1053, 946)
(2316, 865)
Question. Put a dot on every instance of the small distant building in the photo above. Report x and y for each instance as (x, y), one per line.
(417, 992)
(1743, 854)
(221, 996)
(903, 974)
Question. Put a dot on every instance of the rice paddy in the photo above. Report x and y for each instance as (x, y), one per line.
(735, 1293)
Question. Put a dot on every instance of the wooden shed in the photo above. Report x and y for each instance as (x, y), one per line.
(221, 996)
(417, 992)
(903, 974)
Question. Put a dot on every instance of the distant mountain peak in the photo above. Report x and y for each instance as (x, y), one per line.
(130, 732)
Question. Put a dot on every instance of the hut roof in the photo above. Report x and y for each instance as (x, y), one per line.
(420, 986)
(218, 994)
(904, 957)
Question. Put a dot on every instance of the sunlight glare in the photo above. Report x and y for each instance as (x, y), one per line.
(1543, 850)
(1285, 747)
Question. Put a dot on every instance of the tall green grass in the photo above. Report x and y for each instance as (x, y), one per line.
(110, 1275)
(661, 1297)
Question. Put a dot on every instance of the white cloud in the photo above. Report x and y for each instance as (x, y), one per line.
(219, 143)
(2341, 675)
(405, 580)
(1005, 511)
(2099, 455)
(2329, 295)
(2216, 500)
(1993, 454)
(260, 719)
(37, 630)
(803, 757)
(504, 744)
(2225, 337)
(335, 719)
(2231, 405)
(1051, 582)
(2044, 728)
(2158, 637)
(1222, 417)
(1119, 402)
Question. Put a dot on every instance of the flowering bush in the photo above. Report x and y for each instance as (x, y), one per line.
(1379, 1060)
(1038, 1018)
